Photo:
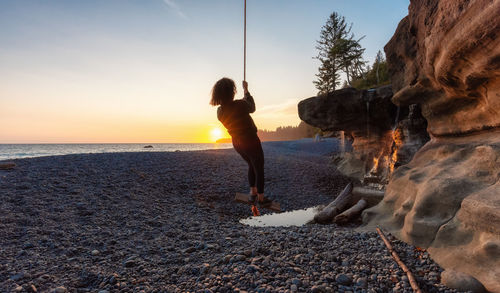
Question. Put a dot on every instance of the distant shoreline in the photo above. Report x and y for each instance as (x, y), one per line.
(230, 140)
(22, 151)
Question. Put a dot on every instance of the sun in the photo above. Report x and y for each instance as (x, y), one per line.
(215, 134)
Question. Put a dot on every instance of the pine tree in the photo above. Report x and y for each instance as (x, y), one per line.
(338, 52)
(375, 76)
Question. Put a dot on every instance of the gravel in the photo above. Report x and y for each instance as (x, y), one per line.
(166, 222)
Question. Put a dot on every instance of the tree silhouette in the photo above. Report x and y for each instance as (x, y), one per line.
(377, 75)
(338, 52)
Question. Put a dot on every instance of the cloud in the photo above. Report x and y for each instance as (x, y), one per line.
(172, 5)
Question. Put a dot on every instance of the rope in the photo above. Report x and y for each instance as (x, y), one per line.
(245, 43)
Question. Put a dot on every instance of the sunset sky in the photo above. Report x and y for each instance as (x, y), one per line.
(142, 71)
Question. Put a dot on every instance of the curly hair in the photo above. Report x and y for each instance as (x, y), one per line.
(223, 91)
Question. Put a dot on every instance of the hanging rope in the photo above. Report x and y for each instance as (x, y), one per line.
(245, 43)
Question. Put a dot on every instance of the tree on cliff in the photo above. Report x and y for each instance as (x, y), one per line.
(377, 75)
(338, 52)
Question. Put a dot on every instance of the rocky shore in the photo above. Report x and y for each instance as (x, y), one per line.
(166, 222)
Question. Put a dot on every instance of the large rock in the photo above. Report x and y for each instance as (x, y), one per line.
(351, 110)
(384, 135)
(445, 56)
(461, 281)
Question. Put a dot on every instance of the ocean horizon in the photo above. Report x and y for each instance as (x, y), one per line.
(21, 151)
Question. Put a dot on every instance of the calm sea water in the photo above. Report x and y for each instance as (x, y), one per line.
(17, 151)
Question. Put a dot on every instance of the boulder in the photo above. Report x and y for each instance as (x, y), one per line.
(461, 282)
(351, 110)
(384, 135)
(445, 56)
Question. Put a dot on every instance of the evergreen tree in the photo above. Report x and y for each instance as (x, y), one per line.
(377, 75)
(338, 52)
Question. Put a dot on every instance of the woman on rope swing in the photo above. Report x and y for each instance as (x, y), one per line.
(235, 116)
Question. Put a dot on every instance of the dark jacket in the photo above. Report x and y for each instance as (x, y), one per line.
(235, 116)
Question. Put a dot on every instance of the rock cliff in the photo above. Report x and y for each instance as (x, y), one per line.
(384, 135)
(445, 56)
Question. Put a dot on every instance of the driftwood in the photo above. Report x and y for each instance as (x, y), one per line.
(335, 207)
(7, 166)
(352, 212)
(372, 196)
(413, 282)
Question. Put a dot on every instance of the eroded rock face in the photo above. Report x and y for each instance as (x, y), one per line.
(351, 110)
(447, 199)
(383, 135)
(445, 56)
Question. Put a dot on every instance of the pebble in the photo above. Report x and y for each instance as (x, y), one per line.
(189, 250)
(240, 257)
(205, 268)
(28, 245)
(166, 223)
(17, 277)
(361, 282)
(343, 279)
(112, 280)
(252, 268)
(60, 289)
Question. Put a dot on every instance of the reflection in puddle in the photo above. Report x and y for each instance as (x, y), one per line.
(291, 218)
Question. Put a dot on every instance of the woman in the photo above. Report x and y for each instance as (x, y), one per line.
(235, 116)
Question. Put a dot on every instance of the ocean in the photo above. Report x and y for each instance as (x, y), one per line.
(18, 151)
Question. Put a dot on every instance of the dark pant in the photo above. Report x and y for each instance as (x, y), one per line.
(250, 149)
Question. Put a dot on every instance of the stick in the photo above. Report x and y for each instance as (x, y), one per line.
(413, 282)
(352, 212)
(335, 207)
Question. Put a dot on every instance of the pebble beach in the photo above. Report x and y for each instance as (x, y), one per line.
(167, 222)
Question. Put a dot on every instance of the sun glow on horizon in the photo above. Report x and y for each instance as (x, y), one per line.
(216, 133)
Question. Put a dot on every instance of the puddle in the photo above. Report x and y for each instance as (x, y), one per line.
(285, 219)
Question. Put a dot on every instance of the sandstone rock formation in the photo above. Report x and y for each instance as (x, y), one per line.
(445, 56)
(352, 110)
(384, 135)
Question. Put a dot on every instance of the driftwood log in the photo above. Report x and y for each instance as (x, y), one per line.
(413, 282)
(7, 166)
(335, 207)
(351, 213)
(372, 196)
